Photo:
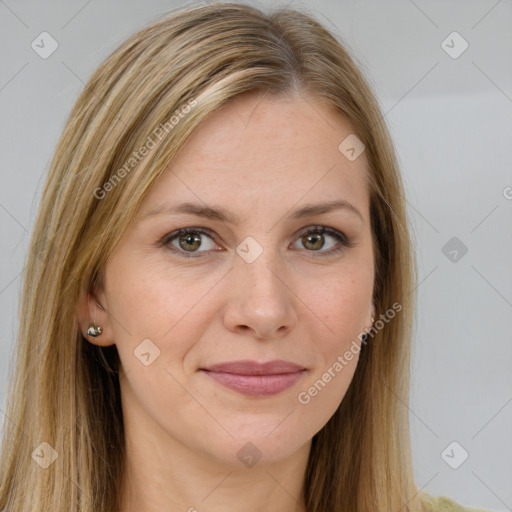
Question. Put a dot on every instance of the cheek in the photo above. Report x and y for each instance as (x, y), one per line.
(341, 309)
(340, 304)
(156, 311)
(322, 394)
(338, 356)
(341, 296)
(145, 298)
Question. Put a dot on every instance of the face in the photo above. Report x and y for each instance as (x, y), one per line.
(251, 280)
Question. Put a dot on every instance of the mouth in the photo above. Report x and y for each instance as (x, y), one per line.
(252, 378)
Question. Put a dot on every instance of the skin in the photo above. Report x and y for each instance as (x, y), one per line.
(261, 158)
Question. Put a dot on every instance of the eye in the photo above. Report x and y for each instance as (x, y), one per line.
(314, 239)
(187, 241)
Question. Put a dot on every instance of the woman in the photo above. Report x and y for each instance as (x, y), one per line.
(216, 308)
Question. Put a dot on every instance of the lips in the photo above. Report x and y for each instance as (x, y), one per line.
(247, 367)
(256, 379)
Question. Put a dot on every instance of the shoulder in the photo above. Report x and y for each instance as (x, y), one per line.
(444, 504)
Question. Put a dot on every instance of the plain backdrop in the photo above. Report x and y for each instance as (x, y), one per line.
(449, 110)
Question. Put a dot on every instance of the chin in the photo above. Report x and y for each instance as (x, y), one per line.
(254, 447)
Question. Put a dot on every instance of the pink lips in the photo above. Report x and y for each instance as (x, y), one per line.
(256, 379)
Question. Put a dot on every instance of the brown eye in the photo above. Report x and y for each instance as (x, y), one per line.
(189, 242)
(314, 241)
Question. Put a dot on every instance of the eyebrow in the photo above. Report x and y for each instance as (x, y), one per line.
(222, 214)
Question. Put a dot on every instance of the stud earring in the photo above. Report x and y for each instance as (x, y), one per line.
(365, 336)
(94, 330)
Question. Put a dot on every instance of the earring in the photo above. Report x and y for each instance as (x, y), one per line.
(365, 336)
(94, 330)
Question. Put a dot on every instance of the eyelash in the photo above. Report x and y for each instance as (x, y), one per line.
(345, 243)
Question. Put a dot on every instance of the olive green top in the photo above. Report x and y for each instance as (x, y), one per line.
(444, 504)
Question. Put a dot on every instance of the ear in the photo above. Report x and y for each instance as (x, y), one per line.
(92, 308)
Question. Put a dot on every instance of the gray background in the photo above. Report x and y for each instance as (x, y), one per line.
(451, 120)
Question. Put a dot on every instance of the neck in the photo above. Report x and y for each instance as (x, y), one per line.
(178, 481)
(162, 474)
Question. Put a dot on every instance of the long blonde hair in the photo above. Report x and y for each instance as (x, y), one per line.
(63, 390)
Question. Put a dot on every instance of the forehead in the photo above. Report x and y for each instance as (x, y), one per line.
(265, 152)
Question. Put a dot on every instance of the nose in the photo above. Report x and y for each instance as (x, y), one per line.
(260, 301)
